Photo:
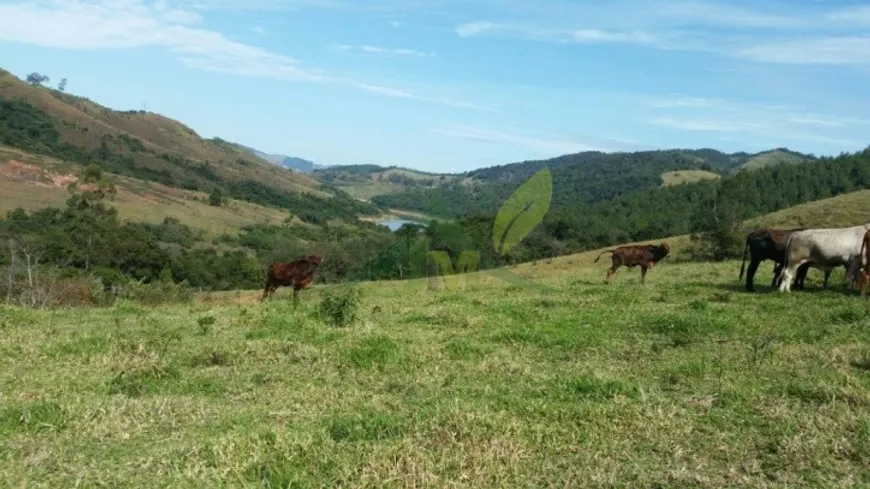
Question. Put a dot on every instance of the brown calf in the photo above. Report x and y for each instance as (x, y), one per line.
(863, 272)
(297, 273)
(633, 255)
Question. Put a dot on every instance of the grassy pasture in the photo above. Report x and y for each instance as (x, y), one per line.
(684, 382)
(771, 158)
(686, 176)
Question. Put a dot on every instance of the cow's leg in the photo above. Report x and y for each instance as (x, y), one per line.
(616, 263)
(788, 275)
(863, 278)
(827, 276)
(750, 275)
(643, 269)
(800, 281)
(267, 291)
(777, 274)
(610, 271)
(295, 293)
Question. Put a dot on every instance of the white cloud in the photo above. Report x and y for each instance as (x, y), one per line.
(854, 15)
(781, 33)
(380, 50)
(693, 102)
(580, 36)
(545, 145)
(709, 13)
(390, 92)
(476, 28)
(703, 124)
(127, 24)
(400, 93)
(853, 50)
(361, 6)
(775, 123)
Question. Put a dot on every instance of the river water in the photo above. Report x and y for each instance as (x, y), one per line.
(396, 223)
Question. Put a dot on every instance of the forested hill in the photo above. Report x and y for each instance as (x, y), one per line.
(577, 178)
(681, 209)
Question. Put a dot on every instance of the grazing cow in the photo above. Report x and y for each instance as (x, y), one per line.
(633, 255)
(298, 273)
(769, 244)
(824, 249)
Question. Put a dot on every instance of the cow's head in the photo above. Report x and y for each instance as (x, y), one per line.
(314, 259)
(664, 249)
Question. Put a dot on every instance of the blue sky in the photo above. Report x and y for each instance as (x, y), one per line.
(443, 85)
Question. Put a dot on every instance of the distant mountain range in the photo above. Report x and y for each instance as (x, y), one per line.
(290, 162)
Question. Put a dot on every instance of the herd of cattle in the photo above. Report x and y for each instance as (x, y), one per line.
(793, 252)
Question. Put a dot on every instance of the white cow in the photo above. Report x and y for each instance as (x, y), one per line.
(825, 249)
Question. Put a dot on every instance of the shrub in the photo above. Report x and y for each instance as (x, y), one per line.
(340, 309)
(158, 293)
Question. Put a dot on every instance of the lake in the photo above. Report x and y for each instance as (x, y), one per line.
(396, 223)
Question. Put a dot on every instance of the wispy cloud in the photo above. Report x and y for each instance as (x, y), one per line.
(380, 50)
(396, 23)
(258, 29)
(127, 24)
(362, 6)
(693, 102)
(702, 124)
(698, 114)
(482, 28)
(722, 15)
(789, 34)
(853, 50)
(400, 93)
(542, 144)
(859, 16)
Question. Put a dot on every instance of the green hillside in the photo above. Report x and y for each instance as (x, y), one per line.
(773, 158)
(368, 181)
(686, 176)
(154, 148)
(844, 210)
(33, 182)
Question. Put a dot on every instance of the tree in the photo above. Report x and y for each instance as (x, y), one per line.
(216, 198)
(62, 85)
(716, 227)
(102, 187)
(36, 78)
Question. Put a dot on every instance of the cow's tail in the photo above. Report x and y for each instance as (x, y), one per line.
(602, 254)
(745, 252)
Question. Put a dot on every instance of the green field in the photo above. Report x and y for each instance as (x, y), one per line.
(686, 176)
(684, 382)
(844, 210)
(771, 158)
